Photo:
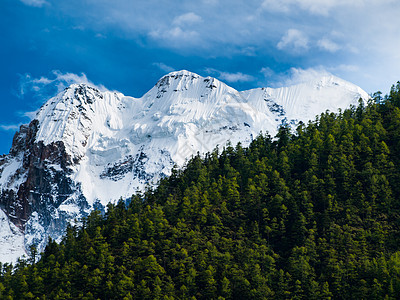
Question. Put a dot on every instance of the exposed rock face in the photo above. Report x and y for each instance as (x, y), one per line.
(86, 148)
(40, 183)
(14, 201)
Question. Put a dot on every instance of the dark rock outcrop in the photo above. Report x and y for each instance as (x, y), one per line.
(45, 184)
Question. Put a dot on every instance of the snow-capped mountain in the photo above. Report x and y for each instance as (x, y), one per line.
(86, 148)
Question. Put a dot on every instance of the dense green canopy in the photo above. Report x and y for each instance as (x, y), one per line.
(309, 215)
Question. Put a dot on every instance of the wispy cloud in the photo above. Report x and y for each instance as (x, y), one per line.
(49, 86)
(317, 7)
(294, 76)
(36, 3)
(187, 19)
(345, 68)
(328, 45)
(235, 77)
(230, 77)
(267, 72)
(176, 37)
(163, 67)
(293, 40)
(275, 6)
(181, 33)
(10, 127)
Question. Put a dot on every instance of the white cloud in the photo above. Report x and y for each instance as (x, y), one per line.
(275, 6)
(248, 51)
(294, 40)
(36, 3)
(317, 7)
(176, 37)
(163, 67)
(323, 7)
(235, 77)
(267, 72)
(328, 45)
(344, 68)
(178, 33)
(187, 19)
(28, 114)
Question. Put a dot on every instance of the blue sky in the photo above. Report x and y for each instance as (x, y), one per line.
(127, 45)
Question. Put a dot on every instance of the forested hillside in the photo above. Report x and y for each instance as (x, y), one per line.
(313, 214)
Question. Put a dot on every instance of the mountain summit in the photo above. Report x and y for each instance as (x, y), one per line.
(86, 148)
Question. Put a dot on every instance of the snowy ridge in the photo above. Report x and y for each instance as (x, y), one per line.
(116, 144)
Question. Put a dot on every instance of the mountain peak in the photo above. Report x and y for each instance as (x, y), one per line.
(182, 73)
(82, 92)
(68, 116)
(167, 79)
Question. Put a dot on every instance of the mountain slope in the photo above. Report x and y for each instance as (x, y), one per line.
(308, 216)
(86, 148)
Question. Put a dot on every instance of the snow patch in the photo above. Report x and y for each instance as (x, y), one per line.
(11, 240)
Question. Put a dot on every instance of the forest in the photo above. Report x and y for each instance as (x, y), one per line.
(309, 214)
